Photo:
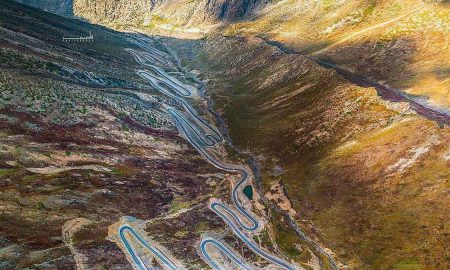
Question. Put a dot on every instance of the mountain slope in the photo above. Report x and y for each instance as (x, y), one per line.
(366, 176)
(162, 15)
(60, 7)
(402, 44)
(359, 171)
(84, 141)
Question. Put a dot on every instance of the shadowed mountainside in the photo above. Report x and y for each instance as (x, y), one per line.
(350, 162)
(400, 44)
(60, 7)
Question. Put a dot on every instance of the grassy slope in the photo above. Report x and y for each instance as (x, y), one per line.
(342, 150)
(53, 115)
(373, 216)
(402, 43)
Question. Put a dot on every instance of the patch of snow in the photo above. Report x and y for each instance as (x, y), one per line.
(404, 163)
(415, 154)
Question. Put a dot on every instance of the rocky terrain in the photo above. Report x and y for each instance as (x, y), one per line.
(401, 44)
(61, 7)
(88, 146)
(192, 16)
(84, 142)
(341, 108)
(359, 177)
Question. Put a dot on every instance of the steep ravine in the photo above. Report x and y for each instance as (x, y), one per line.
(351, 162)
(329, 259)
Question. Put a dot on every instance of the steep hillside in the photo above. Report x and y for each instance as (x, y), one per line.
(402, 44)
(84, 141)
(340, 107)
(60, 7)
(167, 16)
(367, 176)
(175, 14)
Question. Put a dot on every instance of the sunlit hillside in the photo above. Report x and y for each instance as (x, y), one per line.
(404, 44)
(225, 134)
(366, 176)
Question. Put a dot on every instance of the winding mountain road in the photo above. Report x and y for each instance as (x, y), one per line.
(155, 251)
(212, 137)
(230, 254)
(221, 209)
(203, 136)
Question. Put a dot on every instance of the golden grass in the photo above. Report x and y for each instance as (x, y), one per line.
(344, 32)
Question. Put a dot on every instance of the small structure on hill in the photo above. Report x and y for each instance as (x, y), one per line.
(89, 38)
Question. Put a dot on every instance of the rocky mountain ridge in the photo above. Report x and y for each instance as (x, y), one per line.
(400, 44)
(60, 7)
(143, 13)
